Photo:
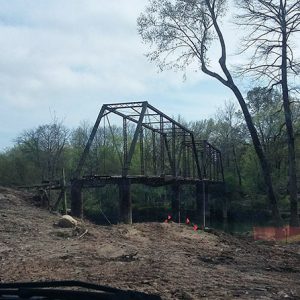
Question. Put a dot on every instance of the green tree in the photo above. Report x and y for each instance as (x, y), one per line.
(182, 32)
(231, 137)
(272, 26)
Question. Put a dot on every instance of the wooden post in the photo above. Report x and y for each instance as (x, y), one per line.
(125, 202)
(49, 197)
(76, 199)
(44, 198)
(64, 191)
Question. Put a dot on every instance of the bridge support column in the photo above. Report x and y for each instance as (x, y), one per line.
(125, 202)
(175, 201)
(225, 213)
(202, 208)
(76, 199)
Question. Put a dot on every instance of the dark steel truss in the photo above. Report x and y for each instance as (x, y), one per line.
(163, 146)
(210, 160)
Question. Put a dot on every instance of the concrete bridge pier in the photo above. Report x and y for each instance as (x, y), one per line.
(76, 199)
(175, 201)
(125, 201)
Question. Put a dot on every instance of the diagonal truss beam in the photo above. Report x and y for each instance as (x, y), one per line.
(87, 148)
(134, 141)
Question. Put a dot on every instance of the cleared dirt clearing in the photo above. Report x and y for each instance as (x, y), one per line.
(168, 259)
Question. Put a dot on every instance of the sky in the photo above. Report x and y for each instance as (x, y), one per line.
(66, 58)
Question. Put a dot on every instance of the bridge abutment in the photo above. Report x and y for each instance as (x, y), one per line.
(225, 213)
(76, 199)
(125, 202)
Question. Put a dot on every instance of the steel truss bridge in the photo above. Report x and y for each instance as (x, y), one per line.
(152, 149)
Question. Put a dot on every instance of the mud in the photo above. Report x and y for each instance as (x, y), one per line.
(167, 259)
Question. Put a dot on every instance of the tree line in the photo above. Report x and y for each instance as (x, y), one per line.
(40, 154)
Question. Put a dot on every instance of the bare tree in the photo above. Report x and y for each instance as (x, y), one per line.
(181, 32)
(230, 135)
(44, 146)
(272, 25)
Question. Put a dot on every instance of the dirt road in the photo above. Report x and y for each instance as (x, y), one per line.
(168, 259)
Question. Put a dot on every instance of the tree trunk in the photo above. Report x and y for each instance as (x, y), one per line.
(253, 132)
(292, 181)
(265, 168)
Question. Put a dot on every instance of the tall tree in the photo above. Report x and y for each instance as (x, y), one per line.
(182, 31)
(266, 109)
(273, 24)
(44, 146)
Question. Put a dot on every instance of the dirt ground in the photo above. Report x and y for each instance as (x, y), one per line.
(167, 259)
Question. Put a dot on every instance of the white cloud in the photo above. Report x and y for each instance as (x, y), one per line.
(72, 56)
